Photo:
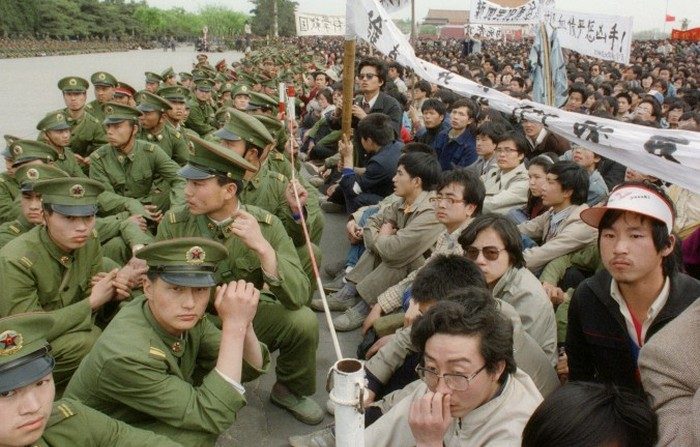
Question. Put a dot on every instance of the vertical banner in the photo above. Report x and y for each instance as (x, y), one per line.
(601, 36)
(319, 25)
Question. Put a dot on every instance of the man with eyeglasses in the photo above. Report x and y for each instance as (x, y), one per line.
(471, 391)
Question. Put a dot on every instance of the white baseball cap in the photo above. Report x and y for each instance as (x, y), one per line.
(636, 199)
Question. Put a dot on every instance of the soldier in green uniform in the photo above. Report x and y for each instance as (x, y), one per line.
(153, 81)
(21, 152)
(124, 94)
(104, 85)
(155, 127)
(54, 130)
(161, 363)
(185, 79)
(168, 76)
(129, 167)
(241, 97)
(50, 268)
(201, 118)
(260, 251)
(27, 409)
(178, 97)
(86, 132)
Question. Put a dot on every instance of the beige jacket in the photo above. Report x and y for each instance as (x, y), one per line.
(505, 191)
(522, 290)
(670, 368)
(572, 234)
(528, 355)
(497, 423)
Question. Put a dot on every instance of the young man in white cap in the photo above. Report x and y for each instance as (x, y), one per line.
(615, 312)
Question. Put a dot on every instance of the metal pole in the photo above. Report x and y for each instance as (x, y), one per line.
(348, 378)
(414, 32)
(275, 26)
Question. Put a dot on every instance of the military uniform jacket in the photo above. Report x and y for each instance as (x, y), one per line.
(133, 175)
(202, 117)
(74, 424)
(94, 108)
(67, 162)
(9, 191)
(170, 140)
(291, 287)
(86, 133)
(137, 372)
(10, 230)
(278, 163)
(39, 276)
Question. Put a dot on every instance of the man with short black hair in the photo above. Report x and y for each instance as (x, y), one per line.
(433, 113)
(559, 230)
(615, 312)
(456, 147)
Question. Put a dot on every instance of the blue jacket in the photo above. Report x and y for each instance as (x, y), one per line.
(455, 153)
(380, 170)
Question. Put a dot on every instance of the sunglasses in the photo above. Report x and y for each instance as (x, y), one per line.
(490, 253)
(367, 76)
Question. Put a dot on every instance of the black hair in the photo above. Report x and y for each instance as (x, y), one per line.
(655, 106)
(491, 129)
(659, 232)
(223, 181)
(626, 96)
(430, 283)
(399, 68)
(376, 127)
(474, 190)
(519, 80)
(572, 177)
(434, 104)
(422, 165)
(376, 63)
(446, 96)
(414, 146)
(577, 87)
(326, 93)
(424, 86)
(473, 314)
(506, 230)
(584, 414)
(518, 139)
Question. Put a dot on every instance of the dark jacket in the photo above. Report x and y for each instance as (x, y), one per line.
(597, 343)
(457, 152)
(379, 172)
(428, 136)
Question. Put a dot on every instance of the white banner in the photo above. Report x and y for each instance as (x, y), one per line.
(484, 31)
(600, 36)
(393, 5)
(671, 155)
(484, 11)
(319, 25)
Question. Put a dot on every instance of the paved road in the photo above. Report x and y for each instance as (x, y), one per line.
(28, 91)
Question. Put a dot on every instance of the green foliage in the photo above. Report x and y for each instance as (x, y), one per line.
(262, 17)
(77, 19)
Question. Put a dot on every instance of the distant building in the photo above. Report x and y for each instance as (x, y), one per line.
(442, 17)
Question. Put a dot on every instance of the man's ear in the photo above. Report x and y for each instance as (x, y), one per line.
(670, 245)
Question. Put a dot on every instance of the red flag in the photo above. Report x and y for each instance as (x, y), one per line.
(670, 18)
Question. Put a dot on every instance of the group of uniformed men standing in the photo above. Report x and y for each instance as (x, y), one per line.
(119, 221)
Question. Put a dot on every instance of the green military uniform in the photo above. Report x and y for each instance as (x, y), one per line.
(202, 114)
(133, 175)
(65, 158)
(12, 229)
(86, 133)
(94, 107)
(20, 152)
(283, 323)
(143, 375)
(167, 138)
(153, 78)
(38, 275)
(25, 360)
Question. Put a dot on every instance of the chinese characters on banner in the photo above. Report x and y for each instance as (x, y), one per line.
(692, 35)
(671, 155)
(394, 5)
(319, 25)
(600, 36)
(485, 31)
(483, 11)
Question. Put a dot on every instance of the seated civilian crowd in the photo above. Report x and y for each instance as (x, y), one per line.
(511, 287)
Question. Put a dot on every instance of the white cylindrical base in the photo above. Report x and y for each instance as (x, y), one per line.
(347, 394)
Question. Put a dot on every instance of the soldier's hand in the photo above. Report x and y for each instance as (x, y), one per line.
(153, 213)
(102, 290)
(237, 302)
(246, 227)
(291, 200)
(140, 221)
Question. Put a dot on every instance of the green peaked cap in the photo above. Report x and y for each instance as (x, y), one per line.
(71, 196)
(24, 351)
(28, 175)
(174, 93)
(116, 113)
(167, 73)
(103, 78)
(53, 121)
(148, 102)
(188, 261)
(28, 150)
(249, 129)
(209, 159)
(153, 78)
(73, 84)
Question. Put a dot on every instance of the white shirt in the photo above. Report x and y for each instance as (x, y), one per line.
(654, 309)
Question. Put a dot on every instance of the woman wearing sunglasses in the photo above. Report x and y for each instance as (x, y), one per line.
(493, 242)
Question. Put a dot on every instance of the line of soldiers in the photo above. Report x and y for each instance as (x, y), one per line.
(118, 221)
